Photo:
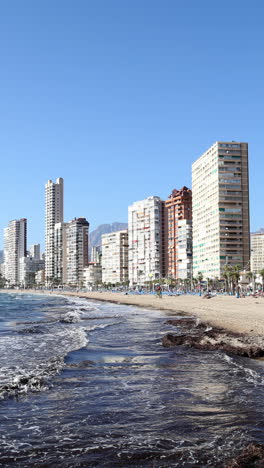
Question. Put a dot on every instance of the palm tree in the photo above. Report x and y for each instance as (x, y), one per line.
(170, 282)
(235, 275)
(251, 277)
(226, 275)
(200, 279)
(187, 283)
(261, 272)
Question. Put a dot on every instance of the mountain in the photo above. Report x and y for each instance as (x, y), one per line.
(95, 236)
(1, 256)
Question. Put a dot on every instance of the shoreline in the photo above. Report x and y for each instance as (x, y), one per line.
(244, 316)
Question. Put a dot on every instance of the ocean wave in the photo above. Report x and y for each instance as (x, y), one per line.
(34, 381)
(32, 360)
(73, 316)
(250, 375)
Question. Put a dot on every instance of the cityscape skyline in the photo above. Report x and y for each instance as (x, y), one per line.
(202, 230)
(41, 238)
(121, 99)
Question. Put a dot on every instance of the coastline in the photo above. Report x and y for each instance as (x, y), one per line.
(243, 316)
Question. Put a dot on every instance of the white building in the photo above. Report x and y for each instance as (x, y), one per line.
(53, 215)
(115, 257)
(146, 224)
(34, 251)
(60, 257)
(220, 199)
(29, 266)
(77, 232)
(184, 248)
(92, 275)
(15, 247)
(40, 277)
(96, 254)
(257, 252)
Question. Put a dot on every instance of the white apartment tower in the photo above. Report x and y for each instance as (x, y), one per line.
(15, 248)
(53, 215)
(115, 257)
(220, 197)
(35, 251)
(257, 252)
(60, 252)
(146, 236)
(76, 237)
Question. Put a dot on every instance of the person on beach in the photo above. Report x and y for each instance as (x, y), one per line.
(159, 291)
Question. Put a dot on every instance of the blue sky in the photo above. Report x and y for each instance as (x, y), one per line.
(119, 98)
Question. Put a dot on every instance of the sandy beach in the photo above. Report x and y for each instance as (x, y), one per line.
(243, 315)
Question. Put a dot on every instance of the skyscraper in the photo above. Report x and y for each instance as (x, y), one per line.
(53, 215)
(115, 257)
(15, 248)
(147, 239)
(221, 209)
(77, 232)
(35, 251)
(179, 207)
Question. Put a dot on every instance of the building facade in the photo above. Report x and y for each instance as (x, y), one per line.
(147, 234)
(220, 208)
(29, 266)
(15, 248)
(96, 254)
(76, 238)
(257, 252)
(60, 260)
(53, 215)
(34, 251)
(92, 275)
(179, 214)
(115, 257)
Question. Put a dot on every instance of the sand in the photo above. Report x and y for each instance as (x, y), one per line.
(243, 315)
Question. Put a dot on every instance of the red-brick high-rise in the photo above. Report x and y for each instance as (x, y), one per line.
(179, 213)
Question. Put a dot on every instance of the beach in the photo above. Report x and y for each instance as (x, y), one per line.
(237, 315)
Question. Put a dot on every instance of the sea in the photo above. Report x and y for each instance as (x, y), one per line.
(89, 384)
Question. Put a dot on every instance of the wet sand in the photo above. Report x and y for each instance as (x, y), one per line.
(243, 315)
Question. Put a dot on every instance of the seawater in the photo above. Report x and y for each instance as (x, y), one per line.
(89, 384)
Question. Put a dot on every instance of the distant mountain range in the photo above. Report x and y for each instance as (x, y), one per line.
(95, 236)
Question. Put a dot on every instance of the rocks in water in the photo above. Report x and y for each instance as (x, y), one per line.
(252, 456)
(185, 322)
(210, 339)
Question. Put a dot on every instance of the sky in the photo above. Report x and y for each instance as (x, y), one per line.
(120, 97)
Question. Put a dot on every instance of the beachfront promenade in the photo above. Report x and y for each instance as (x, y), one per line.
(243, 315)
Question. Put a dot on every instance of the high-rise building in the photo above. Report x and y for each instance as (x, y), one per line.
(15, 247)
(60, 252)
(28, 268)
(54, 214)
(179, 213)
(115, 257)
(147, 240)
(257, 252)
(76, 253)
(35, 251)
(220, 209)
(96, 254)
